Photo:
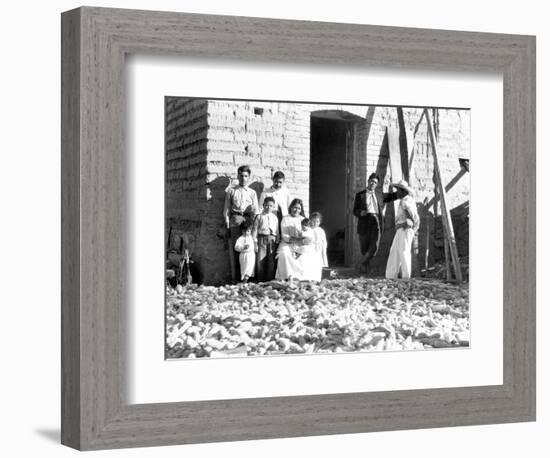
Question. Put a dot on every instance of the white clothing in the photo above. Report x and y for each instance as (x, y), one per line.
(310, 259)
(400, 251)
(266, 225)
(407, 210)
(320, 242)
(281, 197)
(239, 200)
(287, 264)
(400, 254)
(372, 203)
(247, 257)
(291, 226)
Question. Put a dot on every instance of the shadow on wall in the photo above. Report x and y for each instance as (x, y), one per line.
(213, 245)
(215, 195)
(258, 186)
(213, 242)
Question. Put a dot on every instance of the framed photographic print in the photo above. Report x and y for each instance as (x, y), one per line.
(251, 205)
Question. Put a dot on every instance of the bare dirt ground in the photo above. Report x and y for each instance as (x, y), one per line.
(338, 315)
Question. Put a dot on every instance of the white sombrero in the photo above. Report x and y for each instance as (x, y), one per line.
(403, 185)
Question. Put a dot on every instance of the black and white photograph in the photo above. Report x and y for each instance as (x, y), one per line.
(303, 228)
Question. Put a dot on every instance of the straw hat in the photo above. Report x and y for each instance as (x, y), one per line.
(403, 185)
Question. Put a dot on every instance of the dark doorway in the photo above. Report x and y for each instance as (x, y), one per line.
(328, 182)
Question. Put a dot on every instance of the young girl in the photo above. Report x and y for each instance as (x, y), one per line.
(309, 258)
(320, 237)
(245, 246)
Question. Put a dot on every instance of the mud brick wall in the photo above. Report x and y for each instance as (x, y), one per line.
(185, 171)
(206, 140)
(266, 136)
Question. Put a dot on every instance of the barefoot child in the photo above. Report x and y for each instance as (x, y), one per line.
(266, 235)
(320, 237)
(245, 247)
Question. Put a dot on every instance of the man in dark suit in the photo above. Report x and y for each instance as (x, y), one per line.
(368, 207)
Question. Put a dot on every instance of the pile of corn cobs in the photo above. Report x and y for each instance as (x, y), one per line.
(304, 317)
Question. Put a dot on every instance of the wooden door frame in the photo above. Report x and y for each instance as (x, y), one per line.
(351, 168)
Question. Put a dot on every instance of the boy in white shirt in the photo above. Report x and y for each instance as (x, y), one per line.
(266, 236)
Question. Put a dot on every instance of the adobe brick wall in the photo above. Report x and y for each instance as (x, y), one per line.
(185, 170)
(206, 140)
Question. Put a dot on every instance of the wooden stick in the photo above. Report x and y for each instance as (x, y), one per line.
(427, 252)
(445, 213)
(447, 263)
(415, 270)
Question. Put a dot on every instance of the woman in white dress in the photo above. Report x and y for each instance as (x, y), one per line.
(288, 266)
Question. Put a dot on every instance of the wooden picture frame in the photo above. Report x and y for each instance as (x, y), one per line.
(95, 413)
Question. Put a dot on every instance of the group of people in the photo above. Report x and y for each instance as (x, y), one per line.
(273, 238)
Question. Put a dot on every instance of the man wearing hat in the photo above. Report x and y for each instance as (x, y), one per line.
(407, 223)
(368, 207)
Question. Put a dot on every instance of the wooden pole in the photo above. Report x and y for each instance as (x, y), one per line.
(445, 244)
(447, 263)
(445, 213)
(415, 261)
(395, 159)
(427, 251)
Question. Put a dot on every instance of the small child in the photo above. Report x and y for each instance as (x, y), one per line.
(307, 238)
(309, 258)
(266, 235)
(320, 237)
(245, 246)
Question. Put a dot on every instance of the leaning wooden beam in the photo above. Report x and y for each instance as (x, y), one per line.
(448, 186)
(445, 242)
(395, 158)
(445, 213)
(447, 263)
(395, 153)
